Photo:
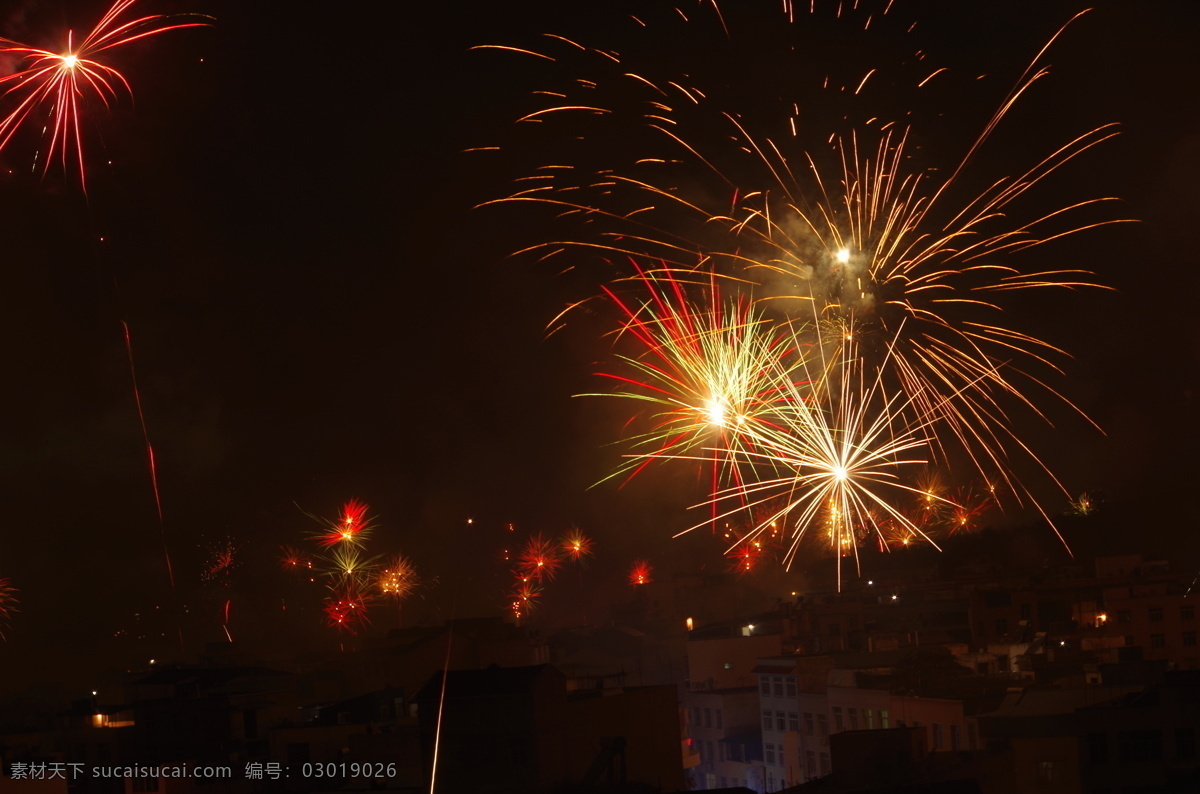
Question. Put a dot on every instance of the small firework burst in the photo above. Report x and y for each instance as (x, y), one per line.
(222, 559)
(347, 566)
(524, 598)
(539, 559)
(969, 507)
(292, 559)
(640, 573)
(745, 556)
(895, 534)
(346, 609)
(1083, 506)
(351, 528)
(398, 579)
(576, 545)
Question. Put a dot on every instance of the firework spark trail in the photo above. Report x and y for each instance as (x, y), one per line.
(8, 604)
(162, 526)
(51, 85)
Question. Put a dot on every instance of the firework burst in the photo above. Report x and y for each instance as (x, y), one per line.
(524, 598)
(398, 579)
(576, 546)
(833, 456)
(640, 573)
(293, 559)
(708, 369)
(346, 609)
(540, 559)
(352, 527)
(898, 265)
(347, 566)
(52, 89)
(222, 559)
(968, 507)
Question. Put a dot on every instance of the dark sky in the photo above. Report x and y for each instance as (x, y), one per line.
(317, 312)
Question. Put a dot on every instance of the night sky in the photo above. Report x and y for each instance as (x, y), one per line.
(284, 218)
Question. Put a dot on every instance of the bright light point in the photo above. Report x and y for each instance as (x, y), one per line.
(843, 256)
(895, 597)
(69, 61)
(839, 474)
(714, 410)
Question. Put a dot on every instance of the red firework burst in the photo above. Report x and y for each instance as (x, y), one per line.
(968, 508)
(539, 559)
(745, 556)
(351, 527)
(50, 89)
(294, 560)
(346, 609)
(639, 573)
(524, 598)
(222, 559)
